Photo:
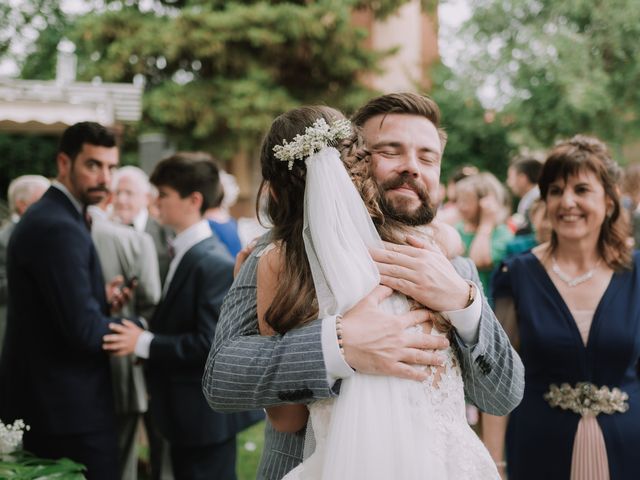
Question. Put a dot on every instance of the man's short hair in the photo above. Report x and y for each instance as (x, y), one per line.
(22, 188)
(529, 166)
(402, 103)
(85, 132)
(137, 174)
(189, 172)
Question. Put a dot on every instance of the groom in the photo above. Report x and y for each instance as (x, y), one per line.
(245, 370)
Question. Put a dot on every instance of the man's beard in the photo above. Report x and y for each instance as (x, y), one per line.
(88, 196)
(399, 209)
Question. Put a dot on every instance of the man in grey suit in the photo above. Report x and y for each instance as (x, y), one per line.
(132, 193)
(23, 191)
(131, 202)
(245, 370)
(129, 254)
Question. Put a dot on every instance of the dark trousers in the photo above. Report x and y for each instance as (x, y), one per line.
(158, 451)
(217, 461)
(127, 429)
(98, 451)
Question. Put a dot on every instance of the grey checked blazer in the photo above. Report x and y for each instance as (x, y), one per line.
(245, 370)
(124, 251)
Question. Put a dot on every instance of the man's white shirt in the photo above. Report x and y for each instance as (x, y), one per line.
(181, 245)
(527, 200)
(140, 220)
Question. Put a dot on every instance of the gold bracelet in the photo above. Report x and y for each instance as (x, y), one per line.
(339, 333)
(472, 297)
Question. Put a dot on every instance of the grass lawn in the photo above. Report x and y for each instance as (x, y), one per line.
(250, 444)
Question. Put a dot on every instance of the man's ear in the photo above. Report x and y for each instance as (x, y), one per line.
(196, 199)
(64, 164)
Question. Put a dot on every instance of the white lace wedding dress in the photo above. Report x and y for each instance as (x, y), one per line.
(378, 428)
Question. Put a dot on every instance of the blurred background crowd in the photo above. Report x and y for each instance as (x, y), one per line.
(511, 77)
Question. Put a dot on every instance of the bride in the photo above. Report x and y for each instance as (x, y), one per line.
(318, 264)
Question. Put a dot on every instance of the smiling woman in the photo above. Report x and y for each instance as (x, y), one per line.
(573, 309)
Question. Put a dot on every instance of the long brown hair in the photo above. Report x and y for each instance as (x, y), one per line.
(583, 153)
(295, 301)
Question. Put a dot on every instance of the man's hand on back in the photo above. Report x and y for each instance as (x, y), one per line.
(377, 342)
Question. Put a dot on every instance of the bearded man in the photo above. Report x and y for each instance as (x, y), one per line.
(53, 371)
(245, 370)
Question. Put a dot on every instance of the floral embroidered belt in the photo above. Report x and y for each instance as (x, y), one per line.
(587, 398)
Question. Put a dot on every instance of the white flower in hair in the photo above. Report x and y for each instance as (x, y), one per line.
(314, 139)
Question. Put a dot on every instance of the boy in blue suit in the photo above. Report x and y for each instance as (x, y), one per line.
(202, 442)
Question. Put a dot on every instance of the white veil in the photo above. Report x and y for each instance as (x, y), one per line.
(375, 432)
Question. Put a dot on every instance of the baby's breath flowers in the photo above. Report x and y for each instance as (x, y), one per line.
(11, 435)
(314, 139)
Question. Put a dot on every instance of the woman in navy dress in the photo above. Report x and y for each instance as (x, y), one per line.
(573, 308)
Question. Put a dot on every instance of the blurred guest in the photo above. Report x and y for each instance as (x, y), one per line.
(481, 202)
(23, 191)
(53, 372)
(448, 212)
(540, 233)
(134, 201)
(250, 228)
(631, 190)
(153, 202)
(522, 180)
(202, 442)
(132, 195)
(572, 308)
(130, 254)
(220, 220)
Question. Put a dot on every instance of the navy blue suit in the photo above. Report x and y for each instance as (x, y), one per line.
(202, 441)
(53, 372)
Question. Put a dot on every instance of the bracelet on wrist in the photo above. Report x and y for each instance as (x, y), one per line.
(472, 295)
(501, 464)
(339, 334)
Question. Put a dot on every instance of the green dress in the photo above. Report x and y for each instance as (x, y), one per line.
(500, 237)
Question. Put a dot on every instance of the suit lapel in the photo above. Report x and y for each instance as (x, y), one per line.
(183, 271)
(95, 269)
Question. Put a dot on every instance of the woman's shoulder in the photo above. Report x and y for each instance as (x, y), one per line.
(270, 259)
(511, 270)
(524, 260)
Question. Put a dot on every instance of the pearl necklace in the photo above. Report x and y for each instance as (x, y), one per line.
(572, 282)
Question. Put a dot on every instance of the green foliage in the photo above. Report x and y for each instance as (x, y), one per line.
(475, 136)
(21, 21)
(24, 466)
(566, 67)
(25, 154)
(217, 73)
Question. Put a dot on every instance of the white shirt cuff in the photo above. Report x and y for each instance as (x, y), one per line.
(143, 345)
(467, 320)
(334, 362)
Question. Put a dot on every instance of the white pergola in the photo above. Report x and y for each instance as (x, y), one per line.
(37, 106)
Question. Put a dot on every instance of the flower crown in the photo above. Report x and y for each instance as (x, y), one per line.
(314, 139)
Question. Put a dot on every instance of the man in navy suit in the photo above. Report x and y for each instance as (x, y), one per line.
(202, 442)
(53, 372)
